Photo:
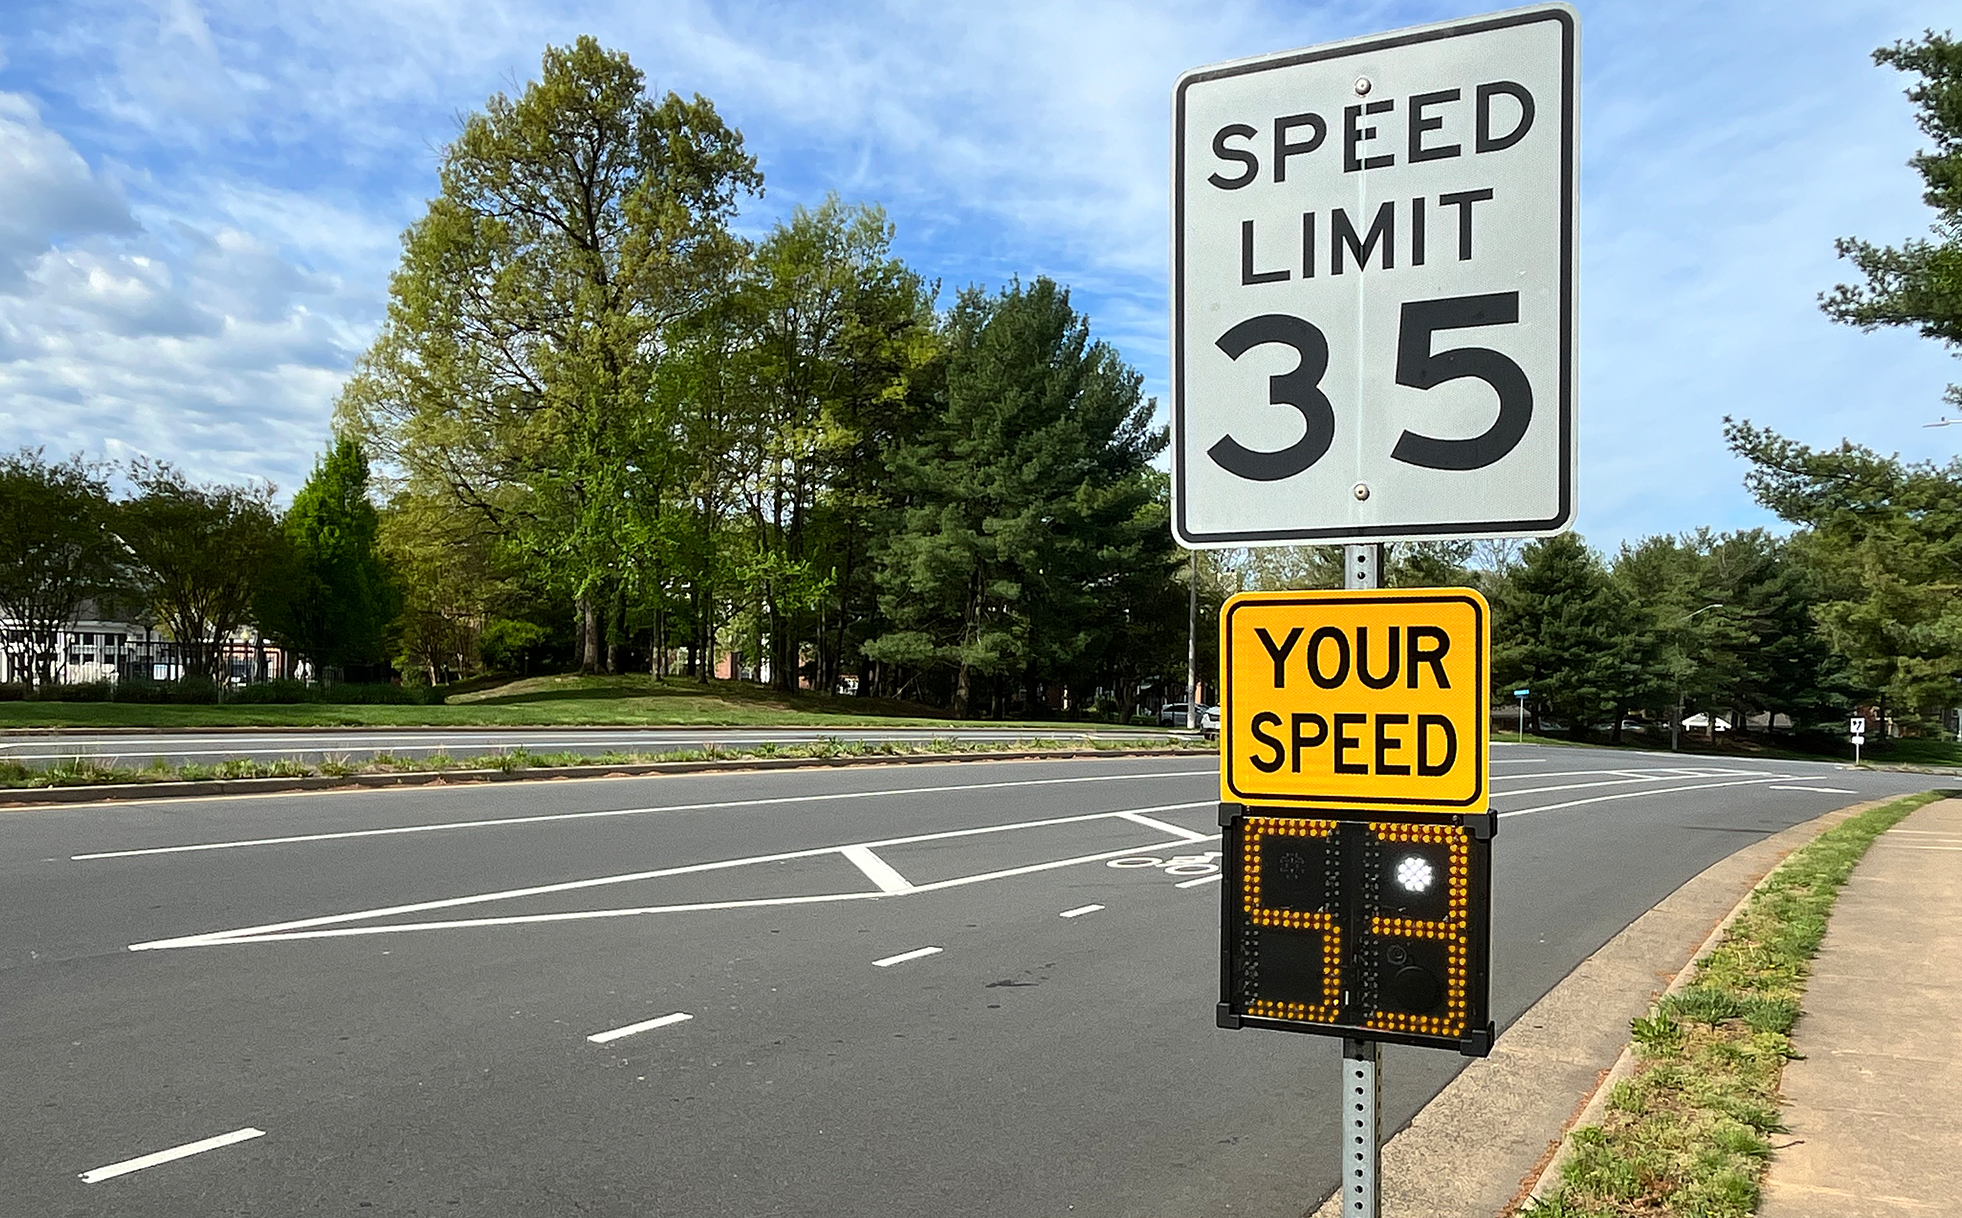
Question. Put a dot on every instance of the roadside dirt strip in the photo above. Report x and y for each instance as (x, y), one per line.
(1493, 1134)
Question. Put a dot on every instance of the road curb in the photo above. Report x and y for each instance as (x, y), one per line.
(1110, 731)
(1485, 1142)
(1591, 1112)
(31, 797)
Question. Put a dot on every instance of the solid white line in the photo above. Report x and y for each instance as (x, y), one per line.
(1139, 818)
(1601, 799)
(632, 877)
(1033, 868)
(165, 1156)
(274, 934)
(1821, 790)
(647, 1025)
(1204, 879)
(1079, 911)
(258, 933)
(1632, 772)
(441, 826)
(581, 915)
(903, 957)
(1582, 786)
(877, 869)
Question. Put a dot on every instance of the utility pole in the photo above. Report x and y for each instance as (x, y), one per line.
(1676, 720)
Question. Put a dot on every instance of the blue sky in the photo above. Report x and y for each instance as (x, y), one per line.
(200, 203)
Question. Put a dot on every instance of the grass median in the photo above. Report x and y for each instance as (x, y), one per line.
(85, 771)
(1688, 1133)
(553, 701)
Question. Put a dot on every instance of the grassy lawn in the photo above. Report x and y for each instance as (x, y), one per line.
(1687, 1134)
(558, 701)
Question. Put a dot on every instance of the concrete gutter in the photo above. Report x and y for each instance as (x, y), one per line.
(21, 797)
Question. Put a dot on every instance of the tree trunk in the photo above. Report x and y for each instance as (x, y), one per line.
(589, 629)
(963, 693)
(616, 626)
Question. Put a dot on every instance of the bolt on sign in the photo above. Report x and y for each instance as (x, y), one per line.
(1367, 700)
(1365, 929)
(1373, 301)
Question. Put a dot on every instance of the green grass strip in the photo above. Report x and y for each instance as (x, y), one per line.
(83, 771)
(1688, 1133)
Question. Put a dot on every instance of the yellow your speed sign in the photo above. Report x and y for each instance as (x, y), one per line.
(1368, 699)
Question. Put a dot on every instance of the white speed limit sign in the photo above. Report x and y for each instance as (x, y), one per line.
(1373, 287)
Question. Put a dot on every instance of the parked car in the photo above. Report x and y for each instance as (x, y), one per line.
(1173, 714)
(1209, 723)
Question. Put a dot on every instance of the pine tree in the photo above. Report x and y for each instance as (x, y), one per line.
(334, 603)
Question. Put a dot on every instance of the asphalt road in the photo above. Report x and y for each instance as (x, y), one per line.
(401, 1001)
(314, 744)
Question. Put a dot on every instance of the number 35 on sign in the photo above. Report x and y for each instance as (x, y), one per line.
(1373, 287)
(1369, 700)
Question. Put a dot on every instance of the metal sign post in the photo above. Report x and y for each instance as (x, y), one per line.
(1521, 695)
(1857, 729)
(1362, 1078)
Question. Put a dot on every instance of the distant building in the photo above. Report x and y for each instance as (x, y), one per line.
(97, 649)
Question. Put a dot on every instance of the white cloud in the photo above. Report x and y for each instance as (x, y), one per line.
(194, 281)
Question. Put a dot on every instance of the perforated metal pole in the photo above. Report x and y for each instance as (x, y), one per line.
(1362, 566)
(1362, 1165)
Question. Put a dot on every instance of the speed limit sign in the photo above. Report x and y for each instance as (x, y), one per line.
(1373, 305)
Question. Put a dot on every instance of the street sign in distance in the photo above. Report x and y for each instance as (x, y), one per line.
(1366, 699)
(1857, 727)
(1366, 929)
(1521, 693)
(1373, 304)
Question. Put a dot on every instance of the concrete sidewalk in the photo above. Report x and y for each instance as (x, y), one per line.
(1875, 1106)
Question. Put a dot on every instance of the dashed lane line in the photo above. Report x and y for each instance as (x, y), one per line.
(916, 954)
(645, 1025)
(124, 1168)
(1079, 911)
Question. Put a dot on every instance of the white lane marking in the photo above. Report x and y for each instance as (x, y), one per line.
(1204, 879)
(1190, 835)
(1624, 781)
(903, 957)
(1643, 794)
(276, 935)
(1821, 790)
(127, 1166)
(877, 869)
(1660, 773)
(273, 928)
(581, 915)
(440, 826)
(646, 1025)
(1079, 911)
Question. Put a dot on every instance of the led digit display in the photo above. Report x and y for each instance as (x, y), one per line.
(1361, 928)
